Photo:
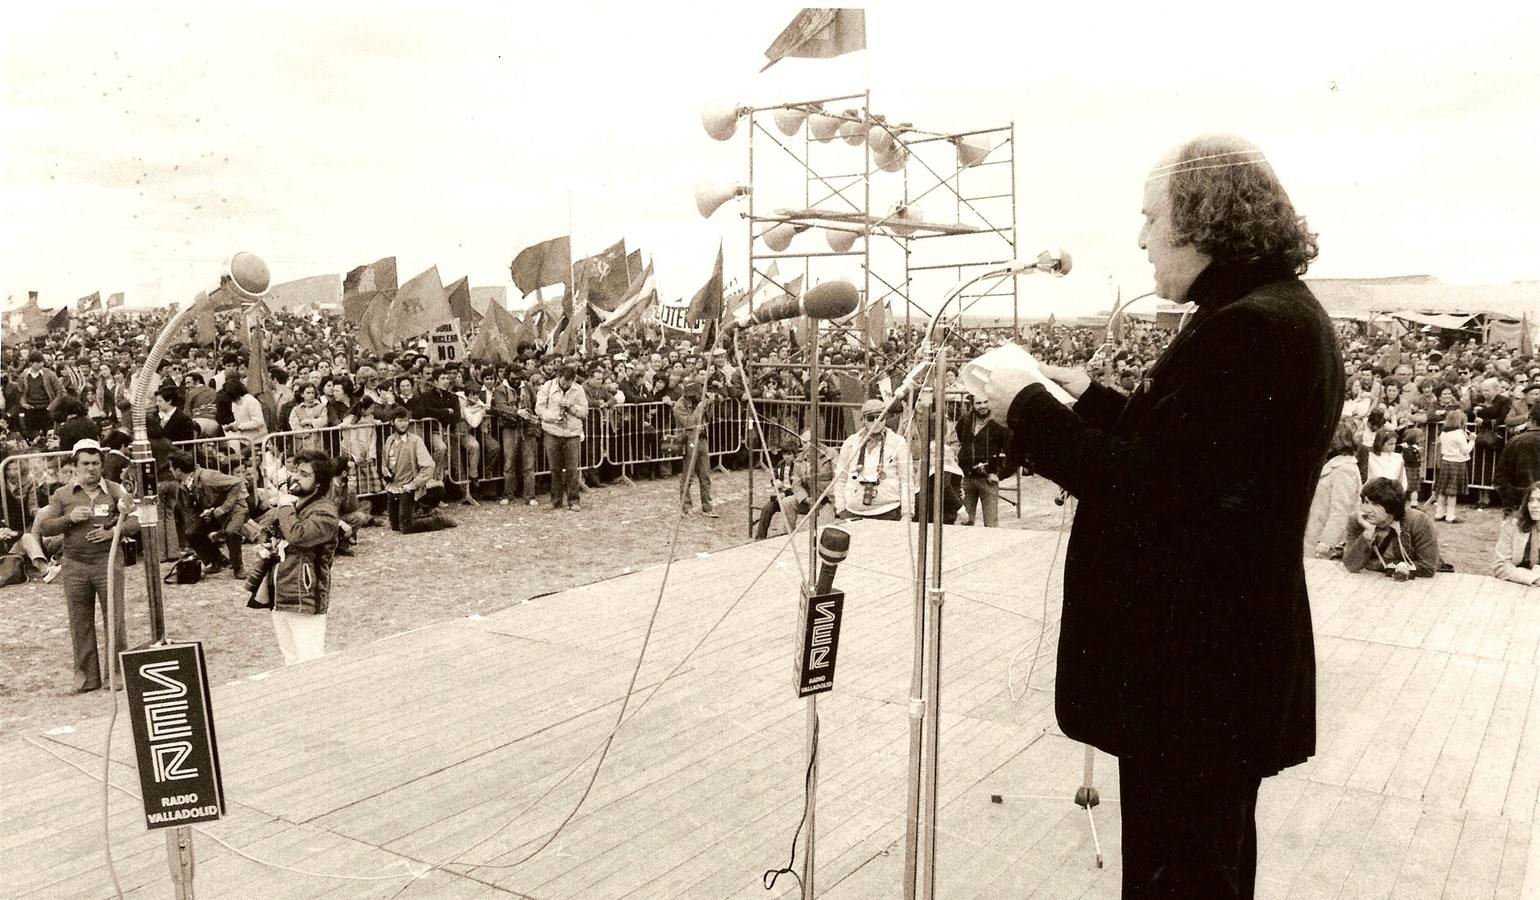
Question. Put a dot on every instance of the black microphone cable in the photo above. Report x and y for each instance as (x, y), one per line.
(768, 879)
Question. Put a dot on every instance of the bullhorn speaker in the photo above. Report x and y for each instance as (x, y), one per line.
(779, 236)
(720, 119)
(710, 195)
(904, 221)
(853, 131)
(840, 240)
(971, 150)
(823, 127)
(789, 119)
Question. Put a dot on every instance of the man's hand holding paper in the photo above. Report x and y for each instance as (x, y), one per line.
(1001, 373)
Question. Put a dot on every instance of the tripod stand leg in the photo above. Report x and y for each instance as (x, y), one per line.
(1087, 798)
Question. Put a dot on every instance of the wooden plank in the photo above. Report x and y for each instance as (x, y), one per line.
(1493, 768)
(1451, 775)
(1478, 857)
(1426, 741)
(1382, 855)
(1425, 868)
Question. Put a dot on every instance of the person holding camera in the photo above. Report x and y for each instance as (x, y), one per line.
(209, 504)
(981, 454)
(872, 476)
(296, 564)
(408, 468)
(1389, 537)
(563, 408)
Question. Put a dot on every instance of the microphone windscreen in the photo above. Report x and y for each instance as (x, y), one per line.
(831, 300)
(1065, 263)
(833, 544)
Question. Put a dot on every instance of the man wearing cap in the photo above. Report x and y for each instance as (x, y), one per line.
(690, 416)
(872, 478)
(84, 512)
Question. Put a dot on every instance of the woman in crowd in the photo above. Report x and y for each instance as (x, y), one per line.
(1386, 533)
(1335, 504)
(1517, 554)
(309, 414)
(248, 423)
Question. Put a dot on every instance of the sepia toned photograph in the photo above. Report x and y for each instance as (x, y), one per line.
(727, 451)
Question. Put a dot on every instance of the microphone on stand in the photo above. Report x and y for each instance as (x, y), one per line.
(1054, 262)
(833, 546)
(830, 300)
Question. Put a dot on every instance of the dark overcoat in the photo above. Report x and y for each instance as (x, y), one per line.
(1186, 628)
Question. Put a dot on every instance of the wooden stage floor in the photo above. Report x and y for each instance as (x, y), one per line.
(426, 748)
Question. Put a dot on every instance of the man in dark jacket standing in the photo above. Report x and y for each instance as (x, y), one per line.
(1186, 647)
(300, 584)
(981, 456)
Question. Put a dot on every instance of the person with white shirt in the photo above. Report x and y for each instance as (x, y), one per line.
(871, 477)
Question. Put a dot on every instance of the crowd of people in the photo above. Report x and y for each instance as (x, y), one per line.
(395, 438)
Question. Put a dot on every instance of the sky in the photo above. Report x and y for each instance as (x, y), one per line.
(141, 145)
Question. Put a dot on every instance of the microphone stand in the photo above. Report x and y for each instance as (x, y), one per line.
(811, 751)
(929, 598)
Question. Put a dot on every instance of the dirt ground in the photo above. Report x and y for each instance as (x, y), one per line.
(397, 583)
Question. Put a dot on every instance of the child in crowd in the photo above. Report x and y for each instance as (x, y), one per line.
(1385, 461)
(1454, 450)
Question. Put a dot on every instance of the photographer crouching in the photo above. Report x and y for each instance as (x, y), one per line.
(293, 574)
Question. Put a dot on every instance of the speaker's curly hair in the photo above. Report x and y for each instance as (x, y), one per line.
(1234, 210)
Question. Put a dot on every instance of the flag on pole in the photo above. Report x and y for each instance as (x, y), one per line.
(706, 305)
(90, 303)
(114, 300)
(819, 34)
(500, 337)
(459, 295)
(374, 327)
(642, 295)
(634, 266)
(363, 284)
(305, 294)
(602, 279)
(876, 323)
(548, 262)
(27, 322)
(60, 321)
(419, 306)
(482, 297)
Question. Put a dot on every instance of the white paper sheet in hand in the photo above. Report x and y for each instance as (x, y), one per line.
(1005, 370)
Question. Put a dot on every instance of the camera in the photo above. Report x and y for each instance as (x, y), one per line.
(1401, 572)
(268, 556)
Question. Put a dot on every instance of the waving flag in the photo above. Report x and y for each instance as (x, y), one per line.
(419, 306)
(706, 305)
(602, 279)
(115, 300)
(460, 306)
(819, 34)
(362, 285)
(642, 295)
(90, 303)
(548, 262)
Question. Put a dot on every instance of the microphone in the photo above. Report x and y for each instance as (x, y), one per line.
(833, 545)
(830, 300)
(1055, 262)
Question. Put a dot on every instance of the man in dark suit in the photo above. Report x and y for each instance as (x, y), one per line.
(170, 422)
(1186, 647)
(210, 504)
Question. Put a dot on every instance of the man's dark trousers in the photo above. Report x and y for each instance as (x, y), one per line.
(85, 586)
(1187, 834)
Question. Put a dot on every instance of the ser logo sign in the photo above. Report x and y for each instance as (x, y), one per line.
(173, 725)
(818, 631)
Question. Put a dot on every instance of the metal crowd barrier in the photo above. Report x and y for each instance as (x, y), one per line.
(624, 437)
(29, 479)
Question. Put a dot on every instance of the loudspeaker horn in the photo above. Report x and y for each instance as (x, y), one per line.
(971, 150)
(710, 195)
(904, 221)
(840, 240)
(823, 127)
(789, 119)
(720, 119)
(894, 159)
(779, 237)
(853, 131)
